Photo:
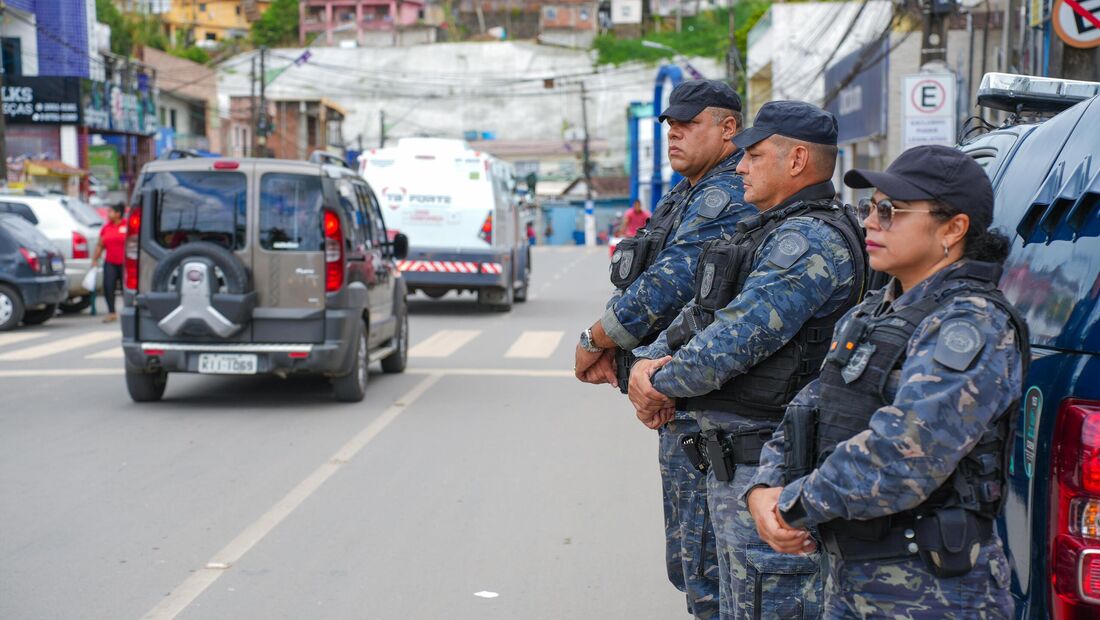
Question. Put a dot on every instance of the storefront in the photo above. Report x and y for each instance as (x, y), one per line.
(119, 116)
(42, 116)
(65, 122)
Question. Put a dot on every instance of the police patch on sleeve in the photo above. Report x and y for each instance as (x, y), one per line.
(959, 344)
(712, 202)
(788, 249)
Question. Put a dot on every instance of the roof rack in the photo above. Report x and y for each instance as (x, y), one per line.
(179, 154)
(324, 157)
(1026, 93)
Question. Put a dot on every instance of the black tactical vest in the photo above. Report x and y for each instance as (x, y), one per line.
(634, 255)
(866, 351)
(764, 391)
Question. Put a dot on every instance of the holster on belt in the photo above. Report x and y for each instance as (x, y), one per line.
(726, 451)
(799, 437)
(945, 540)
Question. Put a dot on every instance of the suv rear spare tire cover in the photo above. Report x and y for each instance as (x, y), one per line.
(196, 307)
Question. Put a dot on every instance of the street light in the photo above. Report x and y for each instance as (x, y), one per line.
(678, 57)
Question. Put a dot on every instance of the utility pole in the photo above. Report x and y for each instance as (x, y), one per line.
(262, 120)
(933, 43)
(3, 127)
(252, 107)
(731, 53)
(589, 205)
(382, 129)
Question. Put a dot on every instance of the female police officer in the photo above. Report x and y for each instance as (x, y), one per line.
(897, 453)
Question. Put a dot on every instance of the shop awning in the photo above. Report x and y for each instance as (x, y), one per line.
(51, 168)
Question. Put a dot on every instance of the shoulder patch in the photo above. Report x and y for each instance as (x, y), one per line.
(712, 202)
(959, 343)
(789, 248)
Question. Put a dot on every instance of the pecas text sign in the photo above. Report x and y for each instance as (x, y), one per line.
(928, 104)
(36, 100)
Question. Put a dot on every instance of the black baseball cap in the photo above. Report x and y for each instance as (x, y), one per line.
(793, 119)
(690, 98)
(933, 173)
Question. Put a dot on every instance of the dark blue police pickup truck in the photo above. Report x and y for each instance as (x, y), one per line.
(1046, 175)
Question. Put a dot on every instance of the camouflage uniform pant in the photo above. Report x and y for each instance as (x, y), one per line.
(906, 590)
(689, 538)
(757, 581)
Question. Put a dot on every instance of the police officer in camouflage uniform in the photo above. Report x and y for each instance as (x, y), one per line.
(652, 274)
(898, 452)
(765, 305)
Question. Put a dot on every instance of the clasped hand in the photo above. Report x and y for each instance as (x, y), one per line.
(764, 506)
(653, 408)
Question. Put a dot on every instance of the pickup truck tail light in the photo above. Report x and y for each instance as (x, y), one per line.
(334, 252)
(1075, 524)
(133, 251)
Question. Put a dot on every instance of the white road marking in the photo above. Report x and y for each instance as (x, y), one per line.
(61, 372)
(15, 337)
(114, 353)
(182, 596)
(535, 344)
(60, 346)
(444, 342)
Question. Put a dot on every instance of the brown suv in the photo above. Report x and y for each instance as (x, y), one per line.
(260, 266)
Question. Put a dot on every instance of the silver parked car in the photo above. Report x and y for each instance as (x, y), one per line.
(73, 226)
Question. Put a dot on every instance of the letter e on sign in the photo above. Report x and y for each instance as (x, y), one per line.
(928, 96)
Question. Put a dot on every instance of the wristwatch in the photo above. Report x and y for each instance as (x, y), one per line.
(586, 342)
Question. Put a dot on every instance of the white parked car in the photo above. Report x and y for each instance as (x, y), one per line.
(71, 225)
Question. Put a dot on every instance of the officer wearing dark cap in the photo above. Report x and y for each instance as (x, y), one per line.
(653, 274)
(765, 304)
(904, 470)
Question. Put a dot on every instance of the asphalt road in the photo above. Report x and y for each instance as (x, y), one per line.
(485, 482)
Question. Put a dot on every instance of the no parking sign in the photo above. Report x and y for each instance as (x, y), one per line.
(928, 101)
(1077, 22)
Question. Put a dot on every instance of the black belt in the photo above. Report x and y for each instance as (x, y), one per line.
(899, 540)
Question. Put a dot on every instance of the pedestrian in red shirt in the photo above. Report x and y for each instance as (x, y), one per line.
(633, 219)
(112, 241)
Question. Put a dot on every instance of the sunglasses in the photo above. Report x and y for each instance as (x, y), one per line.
(884, 209)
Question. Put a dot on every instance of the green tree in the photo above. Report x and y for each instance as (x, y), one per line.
(122, 41)
(278, 26)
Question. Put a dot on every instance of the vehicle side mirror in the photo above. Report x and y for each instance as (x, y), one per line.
(400, 246)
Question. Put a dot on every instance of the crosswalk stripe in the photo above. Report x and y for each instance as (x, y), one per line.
(16, 337)
(59, 346)
(114, 353)
(444, 342)
(535, 344)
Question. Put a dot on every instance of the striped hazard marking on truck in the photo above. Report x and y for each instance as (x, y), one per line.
(447, 266)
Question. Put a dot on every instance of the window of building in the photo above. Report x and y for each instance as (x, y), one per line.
(172, 118)
(211, 36)
(550, 13)
(202, 7)
(238, 9)
(13, 55)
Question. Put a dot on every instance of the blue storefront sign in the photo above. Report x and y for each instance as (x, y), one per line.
(857, 87)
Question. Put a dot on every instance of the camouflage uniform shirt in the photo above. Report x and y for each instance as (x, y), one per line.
(936, 416)
(772, 306)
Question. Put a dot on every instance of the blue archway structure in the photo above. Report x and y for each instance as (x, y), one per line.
(669, 73)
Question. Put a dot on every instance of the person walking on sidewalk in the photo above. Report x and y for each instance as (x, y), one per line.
(112, 246)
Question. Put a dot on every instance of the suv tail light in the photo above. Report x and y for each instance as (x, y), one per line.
(334, 252)
(1075, 523)
(133, 252)
(486, 233)
(31, 257)
(80, 245)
